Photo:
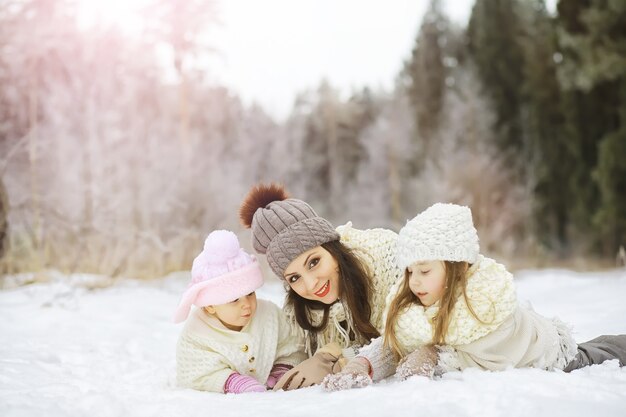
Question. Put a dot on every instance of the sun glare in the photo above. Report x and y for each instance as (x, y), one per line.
(124, 15)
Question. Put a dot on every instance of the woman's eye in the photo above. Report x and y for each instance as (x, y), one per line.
(234, 301)
(313, 262)
(293, 278)
(252, 293)
(425, 272)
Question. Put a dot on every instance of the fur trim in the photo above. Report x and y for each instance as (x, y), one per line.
(448, 360)
(260, 196)
(567, 345)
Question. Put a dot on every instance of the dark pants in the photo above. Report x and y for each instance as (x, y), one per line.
(598, 350)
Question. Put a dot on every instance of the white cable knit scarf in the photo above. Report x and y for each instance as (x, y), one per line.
(334, 331)
(491, 293)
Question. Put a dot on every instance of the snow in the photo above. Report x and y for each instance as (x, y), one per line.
(72, 348)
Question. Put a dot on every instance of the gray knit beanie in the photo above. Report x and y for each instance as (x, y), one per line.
(283, 228)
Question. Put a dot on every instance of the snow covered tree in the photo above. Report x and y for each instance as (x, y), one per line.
(4, 223)
(330, 151)
(425, 75)
(471, 170)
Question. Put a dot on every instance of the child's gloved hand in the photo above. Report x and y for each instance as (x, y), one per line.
(238, 384)
(278, 370)
(422, 362)
(356, 374)
(327, 360)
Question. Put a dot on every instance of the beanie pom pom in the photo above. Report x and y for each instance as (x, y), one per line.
(259, 197)
(220, 246)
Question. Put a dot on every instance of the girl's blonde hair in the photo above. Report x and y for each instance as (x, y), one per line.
(455, 284)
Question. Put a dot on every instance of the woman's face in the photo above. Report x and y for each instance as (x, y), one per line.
(314, 275)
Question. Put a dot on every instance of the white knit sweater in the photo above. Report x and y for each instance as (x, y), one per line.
(507, 336)
(207, 352)
(377, 249)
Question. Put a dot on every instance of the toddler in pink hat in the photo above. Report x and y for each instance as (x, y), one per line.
(231, 342)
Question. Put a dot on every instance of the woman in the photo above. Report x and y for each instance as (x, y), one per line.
(337, 280)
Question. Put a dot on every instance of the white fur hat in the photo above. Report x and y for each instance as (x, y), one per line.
(442, 232)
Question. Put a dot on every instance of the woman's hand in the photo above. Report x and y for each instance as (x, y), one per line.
(327, 360)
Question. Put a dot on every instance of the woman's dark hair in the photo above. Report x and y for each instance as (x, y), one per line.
(356, 291)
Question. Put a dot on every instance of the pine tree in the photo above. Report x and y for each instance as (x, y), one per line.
(494, 30)
(427, 73)
(425, 76)
(318, 139)
(592, 39)
(611, 177)
(549, 159)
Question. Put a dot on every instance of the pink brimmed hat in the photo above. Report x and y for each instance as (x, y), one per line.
(221, 273)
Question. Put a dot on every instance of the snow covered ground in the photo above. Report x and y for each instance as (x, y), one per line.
(66, 350)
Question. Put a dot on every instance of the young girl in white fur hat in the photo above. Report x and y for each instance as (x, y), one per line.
(457, 309)
(232, 342)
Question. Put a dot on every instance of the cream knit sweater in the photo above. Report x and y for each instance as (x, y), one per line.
(525, 340)
(377, 249)
(207, 352)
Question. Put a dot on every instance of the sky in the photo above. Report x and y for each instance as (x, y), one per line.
(272, 49)
(85, 345)
(267, 51)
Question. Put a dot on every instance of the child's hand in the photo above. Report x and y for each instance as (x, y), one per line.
(278, 370)
(356, 374)
(422, 362)
(238, 384)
